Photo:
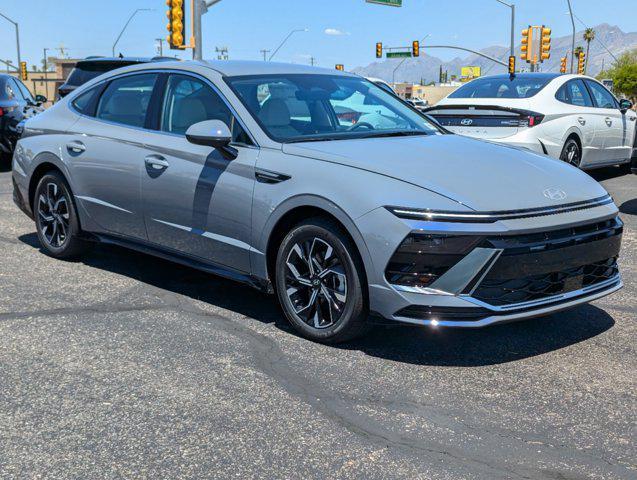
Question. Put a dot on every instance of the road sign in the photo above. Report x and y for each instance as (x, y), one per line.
(398, 54)
(391, 3)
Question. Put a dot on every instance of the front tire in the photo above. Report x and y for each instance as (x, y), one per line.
(572, 153)
(320, 282)
(56, 218)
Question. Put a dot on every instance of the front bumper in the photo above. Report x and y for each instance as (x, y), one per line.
(580, 272)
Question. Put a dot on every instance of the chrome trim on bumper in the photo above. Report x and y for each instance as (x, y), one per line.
(547, 306)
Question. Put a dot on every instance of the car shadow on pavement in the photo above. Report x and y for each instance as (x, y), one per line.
(607, 173)
(629, 207)
(400, 343)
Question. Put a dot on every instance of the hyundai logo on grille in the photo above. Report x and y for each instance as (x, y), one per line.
(554, 194)
(466, 122)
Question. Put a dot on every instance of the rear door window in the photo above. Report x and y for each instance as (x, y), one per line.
(125, 100)
(574, 93)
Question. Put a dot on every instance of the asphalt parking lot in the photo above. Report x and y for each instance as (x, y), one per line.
(126, 366)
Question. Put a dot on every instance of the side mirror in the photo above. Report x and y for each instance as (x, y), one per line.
(40, 99)
(625, 105)
(212, 133)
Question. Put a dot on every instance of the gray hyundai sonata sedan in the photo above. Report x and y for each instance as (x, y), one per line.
(320, 187)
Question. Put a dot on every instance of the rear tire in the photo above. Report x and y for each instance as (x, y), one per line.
(56, 219)
(320, 282)
(572, 153)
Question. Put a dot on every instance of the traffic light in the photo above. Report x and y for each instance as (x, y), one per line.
(545, 43)
(176, 24)
(581, 63)
(527, 44)
(512, 65)
(415, 48)
(24, 74)
(563, 61)
(340, 66)
(379, 50)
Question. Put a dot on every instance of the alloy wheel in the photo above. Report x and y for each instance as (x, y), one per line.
(53, 215)
(316, 283)
(571, 154)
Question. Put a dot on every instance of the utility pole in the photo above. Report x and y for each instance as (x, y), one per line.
(199, 8)
(17, 35)
(265, 54)
(312, 59)
(46, 74)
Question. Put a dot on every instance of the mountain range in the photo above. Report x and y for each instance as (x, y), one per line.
(426, 67)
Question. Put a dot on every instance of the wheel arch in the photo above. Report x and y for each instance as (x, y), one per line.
(292, 212)
(42, 164)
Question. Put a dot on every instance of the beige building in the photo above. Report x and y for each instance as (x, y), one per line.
(432, 93)
(47, 83)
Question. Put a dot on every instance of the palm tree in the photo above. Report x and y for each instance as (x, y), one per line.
(589, 36)
(576, 53)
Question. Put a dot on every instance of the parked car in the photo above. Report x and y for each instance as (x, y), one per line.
(92, 67)
(202, 163)
(419, 104)
(16, 105)
(571, 117)
(382, 84)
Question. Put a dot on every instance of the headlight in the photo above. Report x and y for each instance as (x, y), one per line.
(441, 215)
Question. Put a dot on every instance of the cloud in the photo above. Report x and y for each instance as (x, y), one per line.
(335, 32)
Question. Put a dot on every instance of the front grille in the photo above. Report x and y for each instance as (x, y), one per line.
(537, 287)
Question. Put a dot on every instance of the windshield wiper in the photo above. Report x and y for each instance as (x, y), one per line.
(400, 133)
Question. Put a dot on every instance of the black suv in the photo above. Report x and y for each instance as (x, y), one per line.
(16, 105)
(92, 67)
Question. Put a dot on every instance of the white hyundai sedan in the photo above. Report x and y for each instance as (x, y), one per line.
(570, 117)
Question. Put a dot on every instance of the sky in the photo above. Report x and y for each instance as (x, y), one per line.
(339, 31)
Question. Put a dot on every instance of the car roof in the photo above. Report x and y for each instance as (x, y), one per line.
(531, 75)
(234, 68)
(123, 60)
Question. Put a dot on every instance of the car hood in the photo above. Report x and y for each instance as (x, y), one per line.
(481, 175)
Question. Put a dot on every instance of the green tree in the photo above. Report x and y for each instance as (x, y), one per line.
(589, 36)
(624, 75)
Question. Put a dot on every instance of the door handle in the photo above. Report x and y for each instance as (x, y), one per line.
(157, 162)
(581, 120)
(76, 147)
(608, 121)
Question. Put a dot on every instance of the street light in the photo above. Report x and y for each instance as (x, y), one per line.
(512, 7)
(286, 39)
(126, 25)
(17, 35)
(570, 11)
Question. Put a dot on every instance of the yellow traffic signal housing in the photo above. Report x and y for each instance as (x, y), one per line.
(527, 44)
(176, 24)
(379, 50)
(545, 43)
(24, 74)
(581, 63)
(340, 66)
(512, 65)
(563, 61)
(415, 48)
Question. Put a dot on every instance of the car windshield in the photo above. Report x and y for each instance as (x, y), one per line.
(519, 86)
(317, 107)
(85, 71)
